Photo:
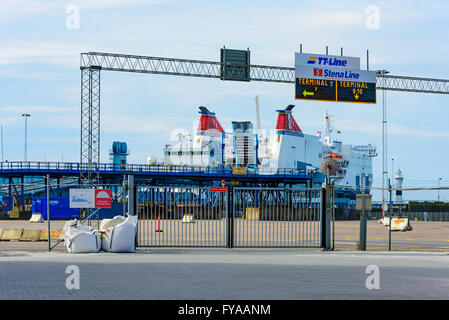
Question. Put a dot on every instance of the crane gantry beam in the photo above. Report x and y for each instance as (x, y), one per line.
(212, 69)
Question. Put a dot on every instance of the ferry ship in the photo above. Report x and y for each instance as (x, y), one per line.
(287, 147)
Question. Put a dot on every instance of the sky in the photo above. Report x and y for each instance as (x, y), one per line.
(41, 42)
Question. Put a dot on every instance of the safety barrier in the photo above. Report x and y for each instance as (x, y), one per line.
(234, 217)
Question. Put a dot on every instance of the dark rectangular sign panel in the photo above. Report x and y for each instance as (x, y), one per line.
(349, 91)
(314, 89)
(335, 90)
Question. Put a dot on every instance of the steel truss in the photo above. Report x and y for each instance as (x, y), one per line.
(90, 129)
(212, 69)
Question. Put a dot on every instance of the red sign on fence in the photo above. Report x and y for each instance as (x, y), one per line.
(218, 189)
(102, 198)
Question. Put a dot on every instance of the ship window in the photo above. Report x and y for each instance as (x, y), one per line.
(179, 153)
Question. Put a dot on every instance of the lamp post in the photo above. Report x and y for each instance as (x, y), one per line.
(439, 188)
(384, 139)
(26, 115)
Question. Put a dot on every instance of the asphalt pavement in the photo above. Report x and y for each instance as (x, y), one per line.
(211, 274)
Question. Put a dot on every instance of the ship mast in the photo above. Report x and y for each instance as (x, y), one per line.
(327, 129)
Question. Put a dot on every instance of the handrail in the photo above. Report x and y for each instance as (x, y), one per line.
(159, 168)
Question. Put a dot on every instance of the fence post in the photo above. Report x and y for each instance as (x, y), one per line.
(363, 225)
(47, 181)
(390, 209)
(230, 218)
(131, 196)
(323, 217)
(328, 216)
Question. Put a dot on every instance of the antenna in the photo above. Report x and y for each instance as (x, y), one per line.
(328, 128)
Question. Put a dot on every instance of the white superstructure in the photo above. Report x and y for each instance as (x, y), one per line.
(286, 148)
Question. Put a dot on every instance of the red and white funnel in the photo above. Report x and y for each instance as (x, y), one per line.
(286, 124)
(208, 124)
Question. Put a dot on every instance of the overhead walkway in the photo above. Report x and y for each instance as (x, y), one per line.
(108, 170)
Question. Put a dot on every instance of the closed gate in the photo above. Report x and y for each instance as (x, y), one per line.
(182, 217)
(277, 217)
(257, 217)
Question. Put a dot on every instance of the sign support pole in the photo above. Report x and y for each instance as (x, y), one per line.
(389, 211)
(48, 211)
(362, 241)
(131, 196)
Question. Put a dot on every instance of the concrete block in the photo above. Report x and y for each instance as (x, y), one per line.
(11, 234)
(31, 235)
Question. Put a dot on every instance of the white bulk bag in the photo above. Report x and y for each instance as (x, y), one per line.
(108, 223)
(81, 239)
(121, 238)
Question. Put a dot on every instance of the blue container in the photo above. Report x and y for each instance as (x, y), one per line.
(116, 209)
(60, 209)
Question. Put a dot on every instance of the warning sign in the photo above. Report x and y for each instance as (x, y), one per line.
(81, 198)
(102, 198)
(218, 189)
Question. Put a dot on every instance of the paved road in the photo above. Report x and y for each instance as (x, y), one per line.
(224, 274)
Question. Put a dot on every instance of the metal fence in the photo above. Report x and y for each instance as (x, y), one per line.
(241, 217)
(182, 217)
(428, 221)
(187, 216)
(33, 214)
(277, 217)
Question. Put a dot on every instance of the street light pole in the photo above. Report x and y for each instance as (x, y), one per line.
(26, 115)
(439, 188)
(384, 141)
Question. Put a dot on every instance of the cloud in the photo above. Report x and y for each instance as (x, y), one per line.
(141, 125)
(44, 109)
(40, 52)
(376, 129)
(17, 10)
